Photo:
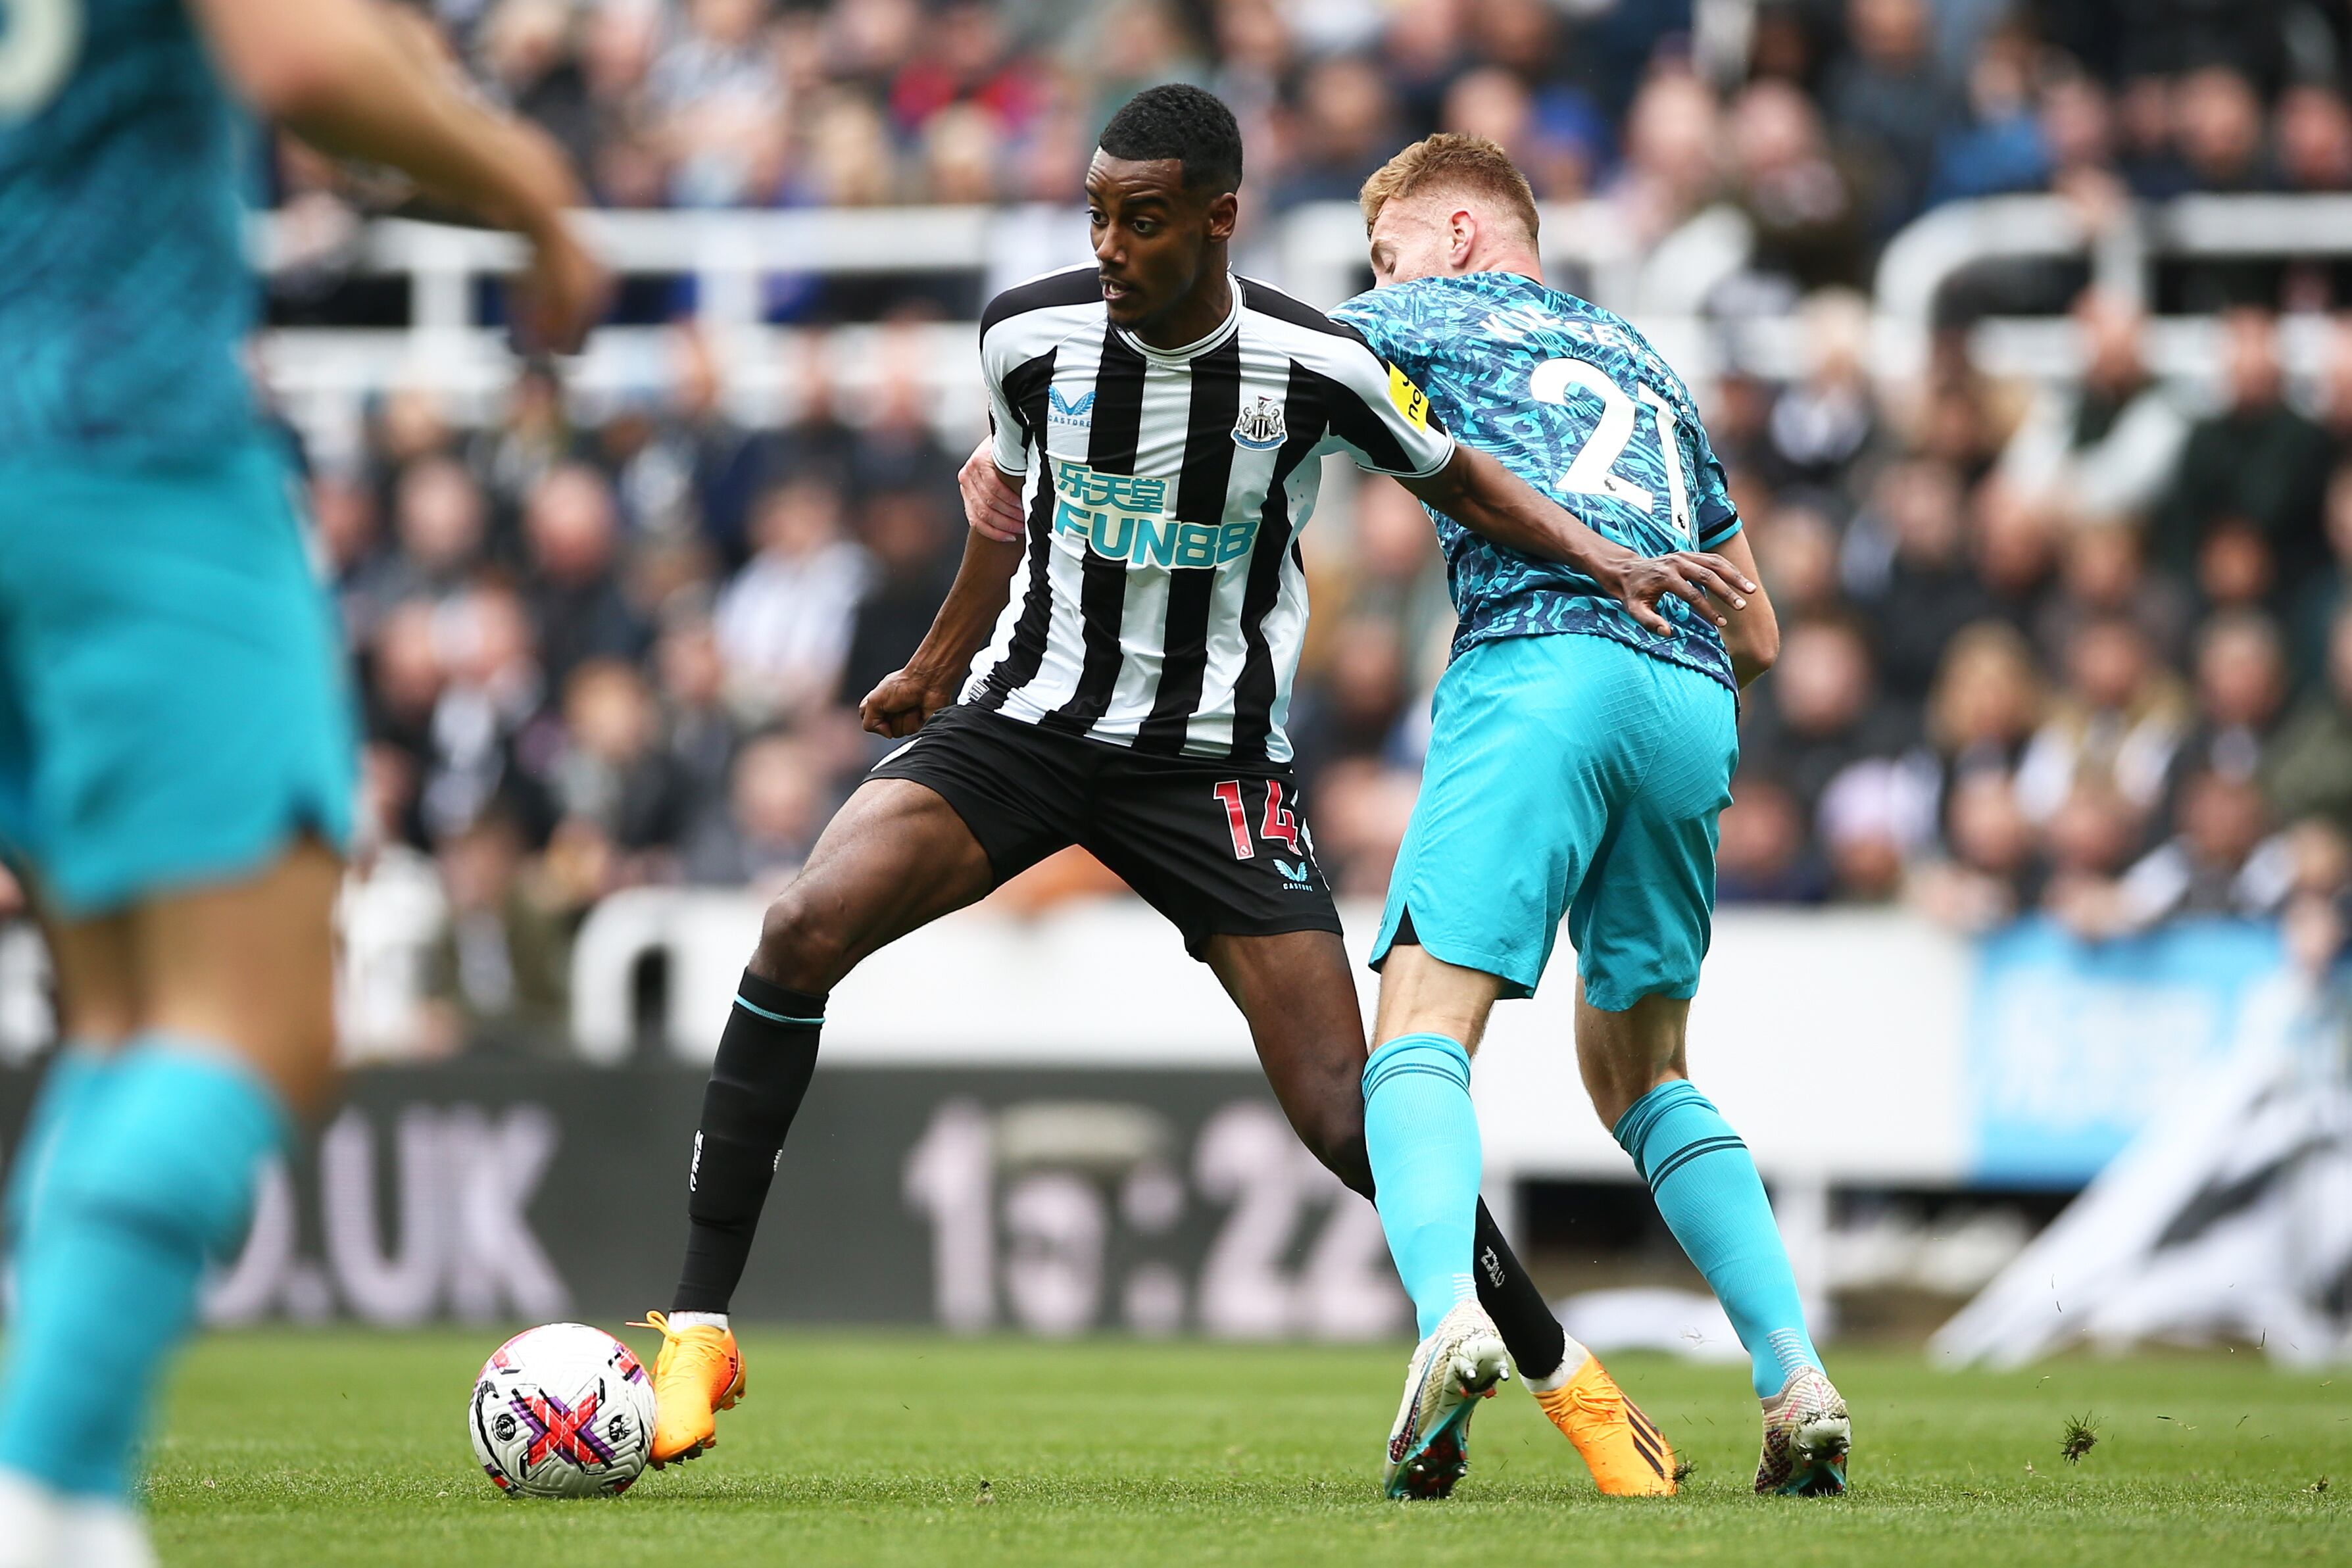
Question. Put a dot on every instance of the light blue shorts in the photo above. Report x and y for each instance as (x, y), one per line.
(174, 708)
(1569, 775)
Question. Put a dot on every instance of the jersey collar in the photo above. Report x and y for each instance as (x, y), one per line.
(1224, 329)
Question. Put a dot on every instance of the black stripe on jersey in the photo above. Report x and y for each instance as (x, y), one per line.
(1274, 302)
(1358, 425)
(1102, 584)
(1200, 497)
(1306, 411)
(1073, 286)
(1025, 388)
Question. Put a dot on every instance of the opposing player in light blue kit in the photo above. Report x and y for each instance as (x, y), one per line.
(1580, 755)
(177, 754)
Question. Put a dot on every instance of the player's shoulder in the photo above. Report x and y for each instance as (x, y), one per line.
(1297, 323)
(1043, 309)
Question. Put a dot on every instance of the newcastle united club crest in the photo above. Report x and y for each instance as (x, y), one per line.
(1260, 426)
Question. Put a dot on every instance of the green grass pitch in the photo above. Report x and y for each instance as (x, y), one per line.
(308, 1448)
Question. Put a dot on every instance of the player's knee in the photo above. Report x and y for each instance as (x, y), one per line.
(802, 946)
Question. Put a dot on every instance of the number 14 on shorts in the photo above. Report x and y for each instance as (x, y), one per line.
(1278, 825)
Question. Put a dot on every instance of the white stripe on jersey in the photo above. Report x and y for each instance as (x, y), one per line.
(1160, 604)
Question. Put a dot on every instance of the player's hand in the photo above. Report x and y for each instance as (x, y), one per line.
(1709, 584)
(563, 291)
(903, 702)
(992, 506)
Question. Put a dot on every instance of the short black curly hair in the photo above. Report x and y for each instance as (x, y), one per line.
(1184, 124)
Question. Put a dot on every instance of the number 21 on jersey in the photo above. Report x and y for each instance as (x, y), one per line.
(1593, 471)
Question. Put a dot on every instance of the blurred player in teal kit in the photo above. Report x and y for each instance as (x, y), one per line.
(176, 750)
(1581, 754)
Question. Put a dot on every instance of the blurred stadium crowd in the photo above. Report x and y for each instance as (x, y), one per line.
(2084, 648)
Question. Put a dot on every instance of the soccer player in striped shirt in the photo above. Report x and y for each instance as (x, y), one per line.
(1581, 751)
(1159, 425)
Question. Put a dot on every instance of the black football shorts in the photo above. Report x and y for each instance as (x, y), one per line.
(1219, 847)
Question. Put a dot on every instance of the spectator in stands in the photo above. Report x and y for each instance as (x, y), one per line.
(1809, 223)
(1558, 139)
(897, 449)
(1797, 547)
(2240, 682)
(2244, 505)
(1891, 96)
(1998, 146)
(2312, 135)
(493, 736)
(577, 601)
(907, 534)
(718, 104)
(2320, 596)
(2220, 127)
(534, 437)
(2308, 770)
(1671, 167)
(1986, 704)
(2103, 571)
(2224, 861)
(698, 470)
(1928, 591)
(2150, 156)
(777, 803)
(698, 729)
(2087, 843)
(1360, 813)
(615, 776)
(1346, 128)
(499, 972)
(1875, 815)
(404, 677)
(2101, 449)
(1765, 853)
(2113, 729)
(2016, 552)
(784, 621)
(440, 521)
(1990, 871)
(1399, 575)
(1353, 712)
(1822, 712)
(361, 570)
(1821, 426)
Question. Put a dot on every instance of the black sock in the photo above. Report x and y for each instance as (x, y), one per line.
(1534, 1337)
(765, 1059)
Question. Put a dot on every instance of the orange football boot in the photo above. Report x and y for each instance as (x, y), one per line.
(699, 1373)
(1623, 1448)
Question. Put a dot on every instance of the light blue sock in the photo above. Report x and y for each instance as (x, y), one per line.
(68, 1090)
(1422, 1137)
(1707, 1187)
(157, 1177)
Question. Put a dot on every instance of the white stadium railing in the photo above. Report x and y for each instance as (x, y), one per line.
(323, 376)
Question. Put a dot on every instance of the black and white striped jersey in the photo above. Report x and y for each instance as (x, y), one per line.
(1163, 600)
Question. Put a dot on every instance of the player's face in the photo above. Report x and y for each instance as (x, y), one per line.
(1153, 239)
(1410, 239)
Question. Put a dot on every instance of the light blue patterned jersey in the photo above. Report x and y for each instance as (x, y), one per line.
(123, 288)
(1578, 404)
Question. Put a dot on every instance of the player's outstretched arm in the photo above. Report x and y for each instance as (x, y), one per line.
(904, 700)
(1482, 496)
(360, 79)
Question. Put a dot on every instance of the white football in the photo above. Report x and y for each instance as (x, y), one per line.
(562, 1410)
